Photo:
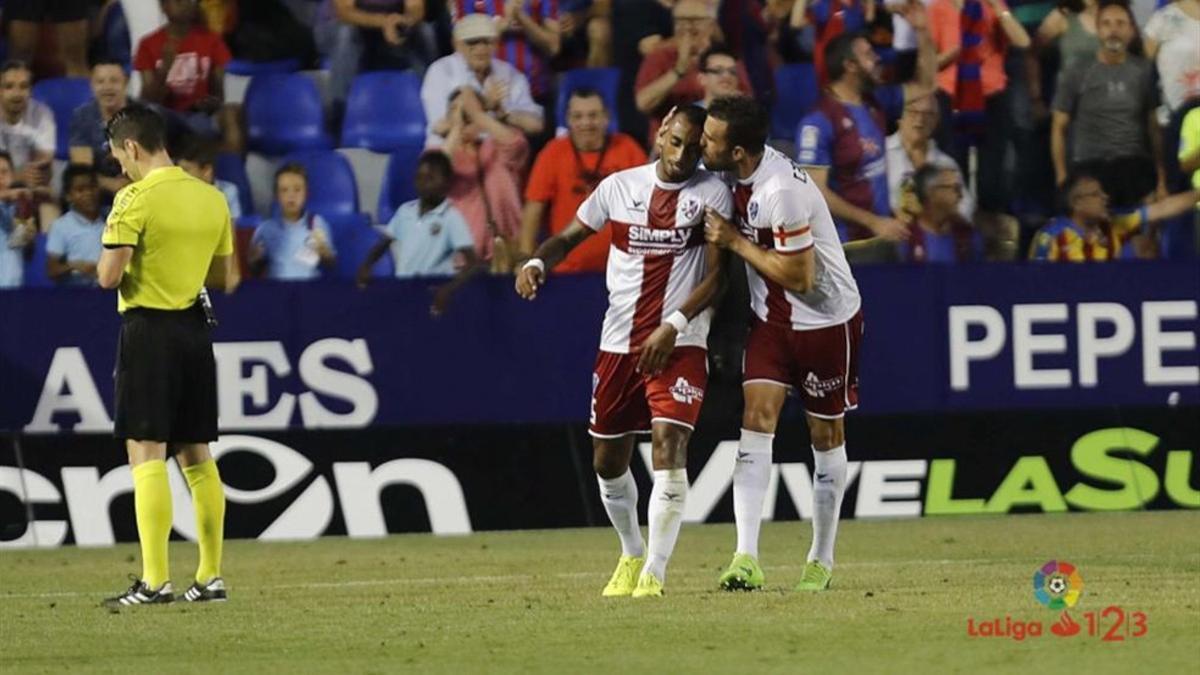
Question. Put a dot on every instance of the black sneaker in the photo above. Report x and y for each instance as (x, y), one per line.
(213, 591)
(141, 594)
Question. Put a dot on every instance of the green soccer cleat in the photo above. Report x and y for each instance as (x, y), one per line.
(743, 574)
(815, 578)
(648, 586)
(624, 578)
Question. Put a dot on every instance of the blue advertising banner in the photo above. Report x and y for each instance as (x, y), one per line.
(325, 355)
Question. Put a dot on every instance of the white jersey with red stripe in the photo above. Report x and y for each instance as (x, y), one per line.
(780, 207)
(657, 257)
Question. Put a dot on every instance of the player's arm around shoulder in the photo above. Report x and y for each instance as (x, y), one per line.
(790, 261)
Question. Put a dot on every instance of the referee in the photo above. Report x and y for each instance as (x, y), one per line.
(167, 236)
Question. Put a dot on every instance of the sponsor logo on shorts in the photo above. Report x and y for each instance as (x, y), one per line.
(684, 392)
(817, 388)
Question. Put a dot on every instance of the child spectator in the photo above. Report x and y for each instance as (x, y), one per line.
(73, 245)
(17, 230)
(293, 246)
(427, 236)
(198, 157)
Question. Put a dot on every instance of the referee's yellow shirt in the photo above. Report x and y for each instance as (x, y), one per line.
(175, 224)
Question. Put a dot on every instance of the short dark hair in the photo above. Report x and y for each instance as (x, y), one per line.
(694, 114)
(74, 171)
(14, 64)
(838, 51)
(1070, 186)
(140, 124)
(436, 159)
(198, 149)
(923, 180)
(293, 168)
(747, 119)
(717, 49)
(586, 92)
(105, 60)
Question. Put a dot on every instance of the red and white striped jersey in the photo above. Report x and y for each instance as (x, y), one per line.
(657, 257)
(779, 207)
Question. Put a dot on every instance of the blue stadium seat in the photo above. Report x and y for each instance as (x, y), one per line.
(253, 68)
(63, 95)
(604, 80)
(352, 244)
(398, 185)
(332, 190)
(231, 167)
(796, 92)
(35, 267)
(283, 114)
(384, 112)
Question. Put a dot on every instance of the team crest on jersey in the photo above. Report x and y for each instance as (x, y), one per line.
(684, 392)
(817, 388)
(752, 211)
(689, 209)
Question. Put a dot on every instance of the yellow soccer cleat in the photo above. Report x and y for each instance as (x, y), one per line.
(648, 586)
(624, 578)
(815, 578)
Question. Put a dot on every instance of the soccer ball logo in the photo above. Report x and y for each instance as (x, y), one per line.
(1057, 584)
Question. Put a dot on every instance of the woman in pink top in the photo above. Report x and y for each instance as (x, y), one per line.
(488, 158)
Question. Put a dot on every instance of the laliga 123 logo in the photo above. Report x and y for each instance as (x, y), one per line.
(1058, 585)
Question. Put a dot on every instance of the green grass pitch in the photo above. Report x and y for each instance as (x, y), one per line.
(530, 602)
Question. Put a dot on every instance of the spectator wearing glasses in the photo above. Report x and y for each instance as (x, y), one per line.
(503, 90)
(1092, 232)
(938, 232)
(529, 36)
(913, 147)
(670, 74)
(720, 74)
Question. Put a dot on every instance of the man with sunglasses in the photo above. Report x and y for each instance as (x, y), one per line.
(503, 89)
(567, 170)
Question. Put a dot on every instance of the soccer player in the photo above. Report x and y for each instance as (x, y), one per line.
(805, 334)
(652, 367)
(167, 235)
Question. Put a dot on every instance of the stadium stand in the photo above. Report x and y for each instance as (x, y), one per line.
(63, 95)
(383, 112)
(603, 80)
(284, 114)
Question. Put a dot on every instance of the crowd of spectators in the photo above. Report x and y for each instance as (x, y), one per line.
(943, 131)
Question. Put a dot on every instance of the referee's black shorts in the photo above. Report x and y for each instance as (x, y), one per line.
(166, 387)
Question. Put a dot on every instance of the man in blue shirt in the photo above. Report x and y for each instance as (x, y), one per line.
(427, 236)
(73, 246)
(296, 245)
(842, 143)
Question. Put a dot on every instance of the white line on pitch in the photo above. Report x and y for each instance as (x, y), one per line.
(418, 581)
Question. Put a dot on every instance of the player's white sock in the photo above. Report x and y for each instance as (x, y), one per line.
(620, 497)
(829, 482)
(751, 475)
(666, 515)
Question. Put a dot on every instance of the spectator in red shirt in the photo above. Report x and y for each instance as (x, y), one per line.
(565, 173)
(182, 66)
(670, 74)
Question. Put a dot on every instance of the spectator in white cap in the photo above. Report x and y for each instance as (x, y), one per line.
(503, 89)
